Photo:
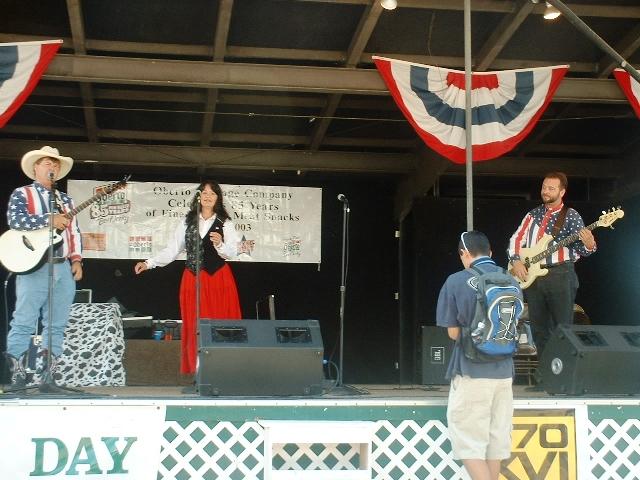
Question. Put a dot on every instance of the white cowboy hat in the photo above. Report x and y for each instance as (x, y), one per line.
(30, 158)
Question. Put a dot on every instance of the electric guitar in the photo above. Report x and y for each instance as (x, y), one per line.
(23, 250)
(531, 257)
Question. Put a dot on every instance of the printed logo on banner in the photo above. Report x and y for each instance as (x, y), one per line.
(94, 241)
(292, 246)
(140, 245)
(246, 246)
(112, 207)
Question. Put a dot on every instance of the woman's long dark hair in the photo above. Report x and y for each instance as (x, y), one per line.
(218, 208)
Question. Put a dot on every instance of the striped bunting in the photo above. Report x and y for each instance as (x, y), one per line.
(505, 105)
(21, 66)
(630, 87)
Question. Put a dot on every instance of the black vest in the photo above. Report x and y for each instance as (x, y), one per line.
(210, 261)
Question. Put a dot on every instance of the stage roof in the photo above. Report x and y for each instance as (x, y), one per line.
(256, 86)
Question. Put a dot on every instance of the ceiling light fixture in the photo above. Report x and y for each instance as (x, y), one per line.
(551, 12)
(389, 4)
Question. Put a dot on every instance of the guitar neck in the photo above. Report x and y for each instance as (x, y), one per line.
(562, 243)
(73, 212)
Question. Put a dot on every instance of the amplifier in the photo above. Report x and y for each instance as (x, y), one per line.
(259, 357)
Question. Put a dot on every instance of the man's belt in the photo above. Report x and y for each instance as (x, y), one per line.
(58, 259)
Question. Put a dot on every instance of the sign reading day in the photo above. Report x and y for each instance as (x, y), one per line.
(274, 223)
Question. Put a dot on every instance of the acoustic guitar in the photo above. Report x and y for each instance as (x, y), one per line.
(24, 250)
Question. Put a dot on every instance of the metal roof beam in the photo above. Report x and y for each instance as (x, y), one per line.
(219, 48)
(501, 35)
(626, 47)
(218, 158)
(290, 54)
(76, 21)
(176, 73)
(504, 6)
(221, 137)
(367, 24)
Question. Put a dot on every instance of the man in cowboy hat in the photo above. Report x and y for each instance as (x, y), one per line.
(28, 211)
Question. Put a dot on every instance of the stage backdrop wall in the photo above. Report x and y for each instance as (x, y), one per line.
(609, 279)
(302, 291)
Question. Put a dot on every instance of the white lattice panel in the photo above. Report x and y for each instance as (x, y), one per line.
(614, 449)
(406, 450)
(223, 450)
(327, 456)
(409, 450)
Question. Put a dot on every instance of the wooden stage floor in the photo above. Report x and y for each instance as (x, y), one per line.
(389, 393)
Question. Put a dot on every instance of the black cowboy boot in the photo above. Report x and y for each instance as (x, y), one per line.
(18, 372)
(44, 375)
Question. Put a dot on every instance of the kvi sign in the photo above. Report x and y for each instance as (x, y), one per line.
(543, 448)
(104, 455)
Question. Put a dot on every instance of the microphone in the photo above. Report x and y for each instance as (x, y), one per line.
(51, 175)
(343, 199)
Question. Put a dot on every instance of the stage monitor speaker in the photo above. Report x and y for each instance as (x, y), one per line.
(259, 357)
(591, 359)
(436, 348)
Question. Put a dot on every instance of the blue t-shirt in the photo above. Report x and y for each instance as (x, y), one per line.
(456, 307)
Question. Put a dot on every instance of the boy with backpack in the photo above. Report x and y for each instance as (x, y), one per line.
(482, 321)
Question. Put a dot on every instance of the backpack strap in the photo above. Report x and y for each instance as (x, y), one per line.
(479, 272)
(476, 270)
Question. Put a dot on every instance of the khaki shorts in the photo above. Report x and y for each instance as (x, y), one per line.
(480, 418)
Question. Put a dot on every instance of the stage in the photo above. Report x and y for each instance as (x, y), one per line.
(136, 417)
(359, 431)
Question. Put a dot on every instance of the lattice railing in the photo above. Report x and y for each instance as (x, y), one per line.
(206, 451)
(406, 450)
(614, 449)
(401, 450)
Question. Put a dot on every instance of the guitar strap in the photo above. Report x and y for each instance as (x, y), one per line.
(58, 202)
(559, 222)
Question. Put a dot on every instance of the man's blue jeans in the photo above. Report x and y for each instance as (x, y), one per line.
(32, 300)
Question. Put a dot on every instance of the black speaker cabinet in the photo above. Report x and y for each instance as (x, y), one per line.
(592, 359)
(435, 350)
(259, 357)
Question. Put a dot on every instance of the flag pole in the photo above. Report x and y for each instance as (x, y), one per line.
(467, 113)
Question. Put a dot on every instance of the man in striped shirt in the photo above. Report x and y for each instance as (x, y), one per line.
(29, 210)
(551, 297)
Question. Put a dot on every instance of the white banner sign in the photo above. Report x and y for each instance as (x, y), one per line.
(276, 224)
(122, 442)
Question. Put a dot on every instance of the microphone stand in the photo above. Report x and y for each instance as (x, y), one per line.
(47, 383)
(343, 282)
(48, 378)
(198, 245)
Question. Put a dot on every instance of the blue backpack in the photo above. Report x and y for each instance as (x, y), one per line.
(492, 334)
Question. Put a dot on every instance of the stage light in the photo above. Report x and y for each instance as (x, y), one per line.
(389, 4)
(551, 12)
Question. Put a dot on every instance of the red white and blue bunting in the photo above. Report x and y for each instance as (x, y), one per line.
(21, 66)
(505, 105)
(630, 87)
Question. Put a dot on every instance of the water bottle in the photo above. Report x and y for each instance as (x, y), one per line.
(476, 335)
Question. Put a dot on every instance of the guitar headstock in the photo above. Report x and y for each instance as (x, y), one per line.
(607, 218)
(117, 186)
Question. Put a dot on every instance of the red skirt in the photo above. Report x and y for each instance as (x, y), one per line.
(218, 299)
